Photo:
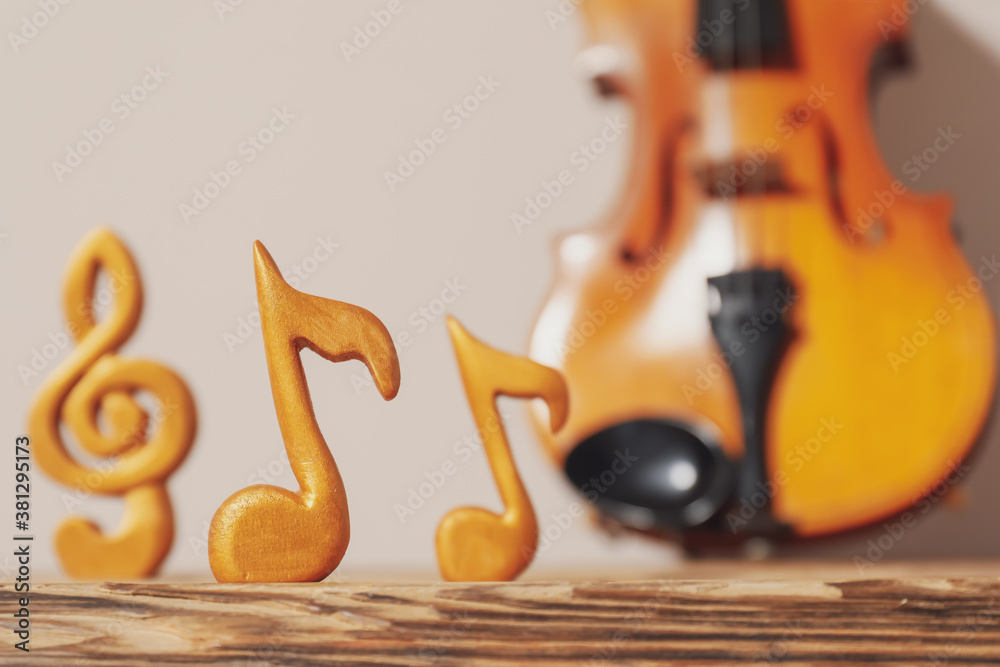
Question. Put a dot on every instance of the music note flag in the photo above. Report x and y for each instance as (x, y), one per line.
(266, 533)
(95, 382)
(474, 544)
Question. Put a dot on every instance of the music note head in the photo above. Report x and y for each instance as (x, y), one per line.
(474, 544)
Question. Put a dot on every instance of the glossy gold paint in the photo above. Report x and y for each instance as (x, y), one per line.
(266, 533)
(474, 544)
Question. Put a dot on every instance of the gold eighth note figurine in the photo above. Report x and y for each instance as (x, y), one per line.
(474, 544)
(266, 533)
(95, 381)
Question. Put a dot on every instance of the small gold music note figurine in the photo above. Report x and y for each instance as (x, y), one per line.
(93, 382)
(265, 533)
(474, 544)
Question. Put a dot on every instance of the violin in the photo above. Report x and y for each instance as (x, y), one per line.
(770, 335)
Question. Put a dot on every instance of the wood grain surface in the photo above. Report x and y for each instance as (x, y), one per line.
(913, 621)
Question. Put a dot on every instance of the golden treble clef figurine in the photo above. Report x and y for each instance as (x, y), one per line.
(95, 381)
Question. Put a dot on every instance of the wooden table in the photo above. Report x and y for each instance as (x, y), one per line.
(720, 613)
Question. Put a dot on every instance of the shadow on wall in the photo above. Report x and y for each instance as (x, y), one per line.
(953, 82)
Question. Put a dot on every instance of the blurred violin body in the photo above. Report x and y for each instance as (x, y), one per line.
(778, 336)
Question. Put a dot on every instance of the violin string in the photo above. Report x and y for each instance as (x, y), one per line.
(781, 211)
(761, 183)
(742, 256)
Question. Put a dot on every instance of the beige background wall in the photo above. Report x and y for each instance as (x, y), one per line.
(322, 177)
